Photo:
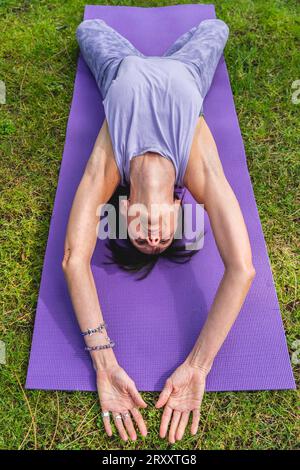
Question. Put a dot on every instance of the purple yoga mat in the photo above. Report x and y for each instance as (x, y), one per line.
(155, 322)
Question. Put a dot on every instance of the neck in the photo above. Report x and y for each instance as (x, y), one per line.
(152, 179)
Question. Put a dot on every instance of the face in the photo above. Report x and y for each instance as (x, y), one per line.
(151, 229)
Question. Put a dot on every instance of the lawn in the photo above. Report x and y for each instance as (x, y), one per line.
(38, 56)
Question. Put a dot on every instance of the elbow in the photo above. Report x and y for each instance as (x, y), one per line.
(245, 271)
(64, 265)
(250, 272)
(73, 262)
(65, 260)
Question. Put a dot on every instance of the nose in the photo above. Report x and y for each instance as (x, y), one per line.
(153, 240)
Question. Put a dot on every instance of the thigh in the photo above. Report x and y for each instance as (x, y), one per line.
(103, 48)
(203, 49)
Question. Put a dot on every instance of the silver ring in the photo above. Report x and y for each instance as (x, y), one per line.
(118, 416)
(125, 414)
(104, 413)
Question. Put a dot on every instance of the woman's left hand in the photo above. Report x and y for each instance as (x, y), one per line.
(183, 393)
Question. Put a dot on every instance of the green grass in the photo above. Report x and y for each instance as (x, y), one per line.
(38, 57)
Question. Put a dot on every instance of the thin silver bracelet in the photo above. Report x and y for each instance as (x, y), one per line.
(91, 331)
(102, 346)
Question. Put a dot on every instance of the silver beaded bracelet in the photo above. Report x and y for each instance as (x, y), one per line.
(91, 331)
(102, 346)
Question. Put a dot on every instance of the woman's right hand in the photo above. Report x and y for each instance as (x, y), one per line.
(118, 394)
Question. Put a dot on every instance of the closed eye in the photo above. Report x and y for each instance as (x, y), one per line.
(141, 241)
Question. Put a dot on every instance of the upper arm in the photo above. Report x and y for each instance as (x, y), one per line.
(206, 181)
(97, 185)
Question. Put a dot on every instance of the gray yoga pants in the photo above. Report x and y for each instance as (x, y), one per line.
(103, 49)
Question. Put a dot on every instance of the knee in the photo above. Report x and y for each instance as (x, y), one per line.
(221, 24)
(89, 25)
(217, 25)
(223, 28)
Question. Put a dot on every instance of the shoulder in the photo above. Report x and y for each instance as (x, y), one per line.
(103, 141)
(204, 162)
(102, 159)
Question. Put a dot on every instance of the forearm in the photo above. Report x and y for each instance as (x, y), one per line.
(88, 312)
(226, 306)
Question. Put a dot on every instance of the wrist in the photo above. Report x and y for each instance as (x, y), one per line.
(103, 359)
(201, 365)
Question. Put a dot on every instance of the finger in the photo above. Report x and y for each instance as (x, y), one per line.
(138, 400)
(166, 416)
(164, 394)
(195, 421)
(129, 425)
(182, 425)
(107, 426)
(120, 426)
(139, 421)
(174, 423)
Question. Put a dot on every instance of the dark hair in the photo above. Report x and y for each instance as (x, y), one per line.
(129, 258)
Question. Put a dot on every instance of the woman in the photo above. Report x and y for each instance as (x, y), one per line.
(153, 108)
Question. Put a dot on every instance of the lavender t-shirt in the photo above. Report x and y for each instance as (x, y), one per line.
(153, 104)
